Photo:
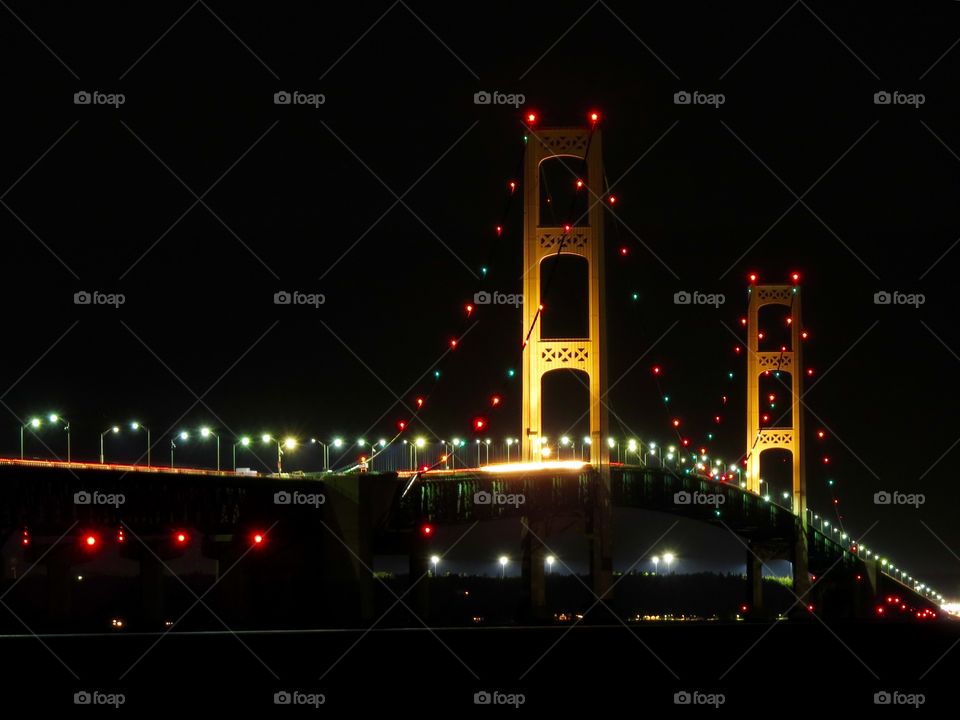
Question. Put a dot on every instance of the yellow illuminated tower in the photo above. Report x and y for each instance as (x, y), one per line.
(544, 355)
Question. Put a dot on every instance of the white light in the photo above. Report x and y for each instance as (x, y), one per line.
(503, 560)
(551, 560)
(564, 441)
(611, 442)
(420, 442)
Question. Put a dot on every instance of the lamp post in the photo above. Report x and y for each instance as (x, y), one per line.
(655, 451)
(611, 443)
(503, 565)
(32, 423)
(245, 442)
(434, 561)
(173, 444)
(562, 442)
(206, 432)
(114, 429)
(509, 445)
(288, 443)
(139, 426)
(417, 444)
(587, 442)
(668, 558)
(550, 560)
(54, 418)
(656, 563)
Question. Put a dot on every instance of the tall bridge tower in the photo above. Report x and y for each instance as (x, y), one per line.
(760, 439)
(543, 355)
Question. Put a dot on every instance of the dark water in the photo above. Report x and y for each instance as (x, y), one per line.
(758, 668)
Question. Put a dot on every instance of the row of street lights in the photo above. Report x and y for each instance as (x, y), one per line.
(502, 561)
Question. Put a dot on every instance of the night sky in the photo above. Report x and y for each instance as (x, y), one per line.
(298, 198)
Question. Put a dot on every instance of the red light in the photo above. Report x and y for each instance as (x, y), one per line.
(783, 348)
(743, 321)
(656, 369)
(469, 309)
(744, 608)
(495, 400)
(181, 538)
(736, 349)
(531, 118)
(752, 277)
(804, 335)
(820, 433)
(90, 540)
(579, 183)
(685, 442)
(613, 199)
(771, 397)
(624, 251)
(826, 460)
(859, 578)
(789, 321)
(25, 539)
(402, 425)
(594, 117)
(809, 372)
(499, 230)
(810, 608)
(760, 336)
(426, 530)
(703, 451)
(765, 418)
(453, 343)
(566, 228)
(512, 185)
(795, 277)
(258, 539)
(676, 422)
(425, 468)
(716, 419)
(880, 610)
(479, 424)
(419, 402)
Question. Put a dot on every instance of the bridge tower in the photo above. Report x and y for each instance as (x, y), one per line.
(543, 355)
(760, 439)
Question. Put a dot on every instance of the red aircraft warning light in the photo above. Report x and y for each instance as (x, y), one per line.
(594, 117)
(180, 537)
(479, 424)
(426, 530)
(531, 118)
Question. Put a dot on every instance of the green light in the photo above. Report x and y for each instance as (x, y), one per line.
(635, 296)
(772, 406)
(511, 372)
(776, 374)
(525, 138)
(829, 482)
(730, 375)
(666, 398)
(709, 436)
(436, 374)
(483, 271)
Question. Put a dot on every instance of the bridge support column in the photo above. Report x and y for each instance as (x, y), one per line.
(348, 554)
(59, 584)
(754, 584)
(600, 537)
(801, 565)
(151, 590)
(534, 591)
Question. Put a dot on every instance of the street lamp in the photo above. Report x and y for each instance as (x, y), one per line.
(634, 447)
(611, 443)
(587, 442)
(656, 563)
(245, 442)
(206, 432)
(509, 445)
(550, 561)
(54, 418)
(564, 442)
(184, 435)
(668, 558)
(114, 429)
(655, 451)
(434, 561)
(288, 443)
(33, 424)
(138, 426)
(503, 565)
